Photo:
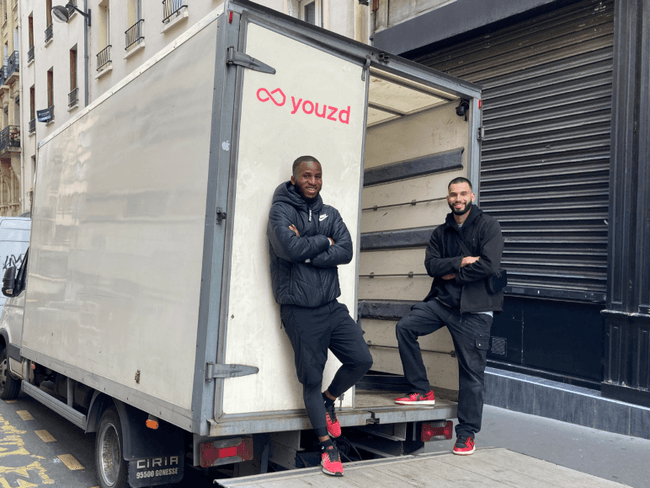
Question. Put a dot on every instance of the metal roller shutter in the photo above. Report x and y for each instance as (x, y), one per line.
(545, 155)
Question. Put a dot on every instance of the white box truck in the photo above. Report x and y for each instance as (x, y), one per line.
(144, 311)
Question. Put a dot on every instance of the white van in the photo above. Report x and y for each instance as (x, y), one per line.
(14, 240)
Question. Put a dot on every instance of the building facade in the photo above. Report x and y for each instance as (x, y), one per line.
(564, 167)
(10, 131)
(68, 65)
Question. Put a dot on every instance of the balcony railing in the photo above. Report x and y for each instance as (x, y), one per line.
(30, 54)
(103, 58)
(73, 97)
(13, 63)
(49, 33)
(9, 137)
(134, 34)
(3, 75)
(171, 7)
(32, 126)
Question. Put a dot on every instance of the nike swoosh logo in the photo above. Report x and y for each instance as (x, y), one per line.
(322, 217)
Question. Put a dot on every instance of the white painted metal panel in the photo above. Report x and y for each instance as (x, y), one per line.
(280, 121)
(118, 221)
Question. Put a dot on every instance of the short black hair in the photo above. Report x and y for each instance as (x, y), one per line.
(459, 180)
(302, 159)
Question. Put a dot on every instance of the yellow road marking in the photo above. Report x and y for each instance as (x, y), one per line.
(24, 472)
(11, 401)
(70, 462)
(10, 438)
(25, 415)
(45, 435)
(21, 484)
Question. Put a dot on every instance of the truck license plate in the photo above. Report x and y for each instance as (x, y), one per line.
(155, 471)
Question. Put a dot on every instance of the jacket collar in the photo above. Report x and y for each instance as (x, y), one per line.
(474, 214)
(286, 192)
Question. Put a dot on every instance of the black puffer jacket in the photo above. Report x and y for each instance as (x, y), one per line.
(481, 235)
(304, 269)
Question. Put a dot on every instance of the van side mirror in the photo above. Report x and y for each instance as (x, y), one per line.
(9, 282)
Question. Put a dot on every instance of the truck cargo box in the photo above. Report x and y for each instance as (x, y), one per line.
(148, 277)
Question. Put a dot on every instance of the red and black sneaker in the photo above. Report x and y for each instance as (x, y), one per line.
(333, 425)
(417, 399)
(331, 460)
(464, 446)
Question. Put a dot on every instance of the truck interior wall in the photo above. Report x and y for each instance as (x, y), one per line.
(117, 236)
(398, 273)
(275, 128)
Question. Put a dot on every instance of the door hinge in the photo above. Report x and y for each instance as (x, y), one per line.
(480, 135)
(213, 371)
(221, 215)
(246, 61)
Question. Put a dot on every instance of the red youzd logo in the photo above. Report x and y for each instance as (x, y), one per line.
(308, 107)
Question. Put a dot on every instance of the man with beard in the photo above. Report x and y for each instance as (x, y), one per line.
(459, 299)
(307, 241)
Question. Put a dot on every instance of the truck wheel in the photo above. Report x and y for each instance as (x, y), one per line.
(112, 469)
(9, 386)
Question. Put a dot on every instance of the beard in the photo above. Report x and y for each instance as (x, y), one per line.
(305, 197)
(461, 211)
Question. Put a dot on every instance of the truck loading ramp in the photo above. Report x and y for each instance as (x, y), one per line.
(487, 467)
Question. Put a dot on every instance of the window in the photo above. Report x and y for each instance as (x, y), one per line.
(172, 7)
(31, 30)
(73, 96)
(104, 32)
(32, 109)
(134, 35)
(49, 31)
(104, 29)
(50, 87)
(311, 11)
(73, 68)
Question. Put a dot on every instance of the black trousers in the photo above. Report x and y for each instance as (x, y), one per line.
(471, 335)
(312, 332)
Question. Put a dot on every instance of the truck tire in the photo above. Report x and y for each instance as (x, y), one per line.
(9, 386)
(112, 469)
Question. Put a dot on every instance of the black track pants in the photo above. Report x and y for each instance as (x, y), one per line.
(312, 332)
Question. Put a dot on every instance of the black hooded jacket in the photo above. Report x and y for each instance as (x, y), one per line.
(481, 234)
(304, 269)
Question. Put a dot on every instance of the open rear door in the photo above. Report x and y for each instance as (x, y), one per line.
(312, 103)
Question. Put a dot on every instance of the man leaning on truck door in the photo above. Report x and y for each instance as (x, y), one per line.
(307, 241)
(462, 253)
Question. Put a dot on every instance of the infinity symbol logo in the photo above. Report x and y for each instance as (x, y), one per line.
(269, 96)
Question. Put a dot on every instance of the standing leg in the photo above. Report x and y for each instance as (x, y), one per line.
(471, 336)
(425, 318)
(348, 345)
(309, 336)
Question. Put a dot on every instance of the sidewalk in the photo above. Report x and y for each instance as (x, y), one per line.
(614, 457)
